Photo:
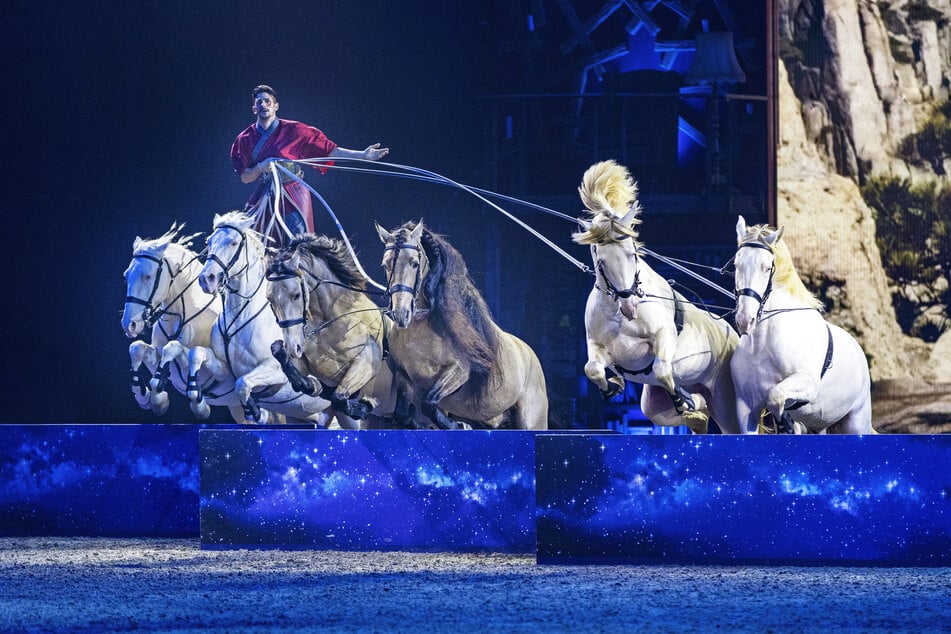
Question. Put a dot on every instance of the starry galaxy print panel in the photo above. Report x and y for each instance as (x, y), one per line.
(461, 491)
(806, 500)
(99, 480)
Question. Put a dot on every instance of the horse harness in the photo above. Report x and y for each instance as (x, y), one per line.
(749, 292)
(678, 323)
(413, 290)
(151, 315)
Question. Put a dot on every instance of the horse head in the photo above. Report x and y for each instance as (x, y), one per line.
(227, 250)
(289, 296)
(149, 279)
(755, 264)
(406, 265)
(615, 252)
(609, 193)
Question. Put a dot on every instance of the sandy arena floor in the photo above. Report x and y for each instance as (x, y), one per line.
(162, 585)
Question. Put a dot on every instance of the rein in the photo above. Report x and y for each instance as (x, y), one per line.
(415, 173)
(152, 315)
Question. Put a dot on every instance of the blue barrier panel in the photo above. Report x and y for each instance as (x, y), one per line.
(99, 480)
(796, 500)
(461, 491)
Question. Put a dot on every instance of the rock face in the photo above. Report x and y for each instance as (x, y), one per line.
(868, 73)
(856, 78)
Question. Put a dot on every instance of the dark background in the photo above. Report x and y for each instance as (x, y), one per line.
(121, 116)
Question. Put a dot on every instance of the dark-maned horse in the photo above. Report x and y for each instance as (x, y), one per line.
(461, 364)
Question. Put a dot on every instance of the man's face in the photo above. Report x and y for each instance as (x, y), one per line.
(265, 106)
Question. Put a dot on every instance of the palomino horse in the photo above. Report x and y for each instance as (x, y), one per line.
(460, 363)
(638, 328)
(242, 335)
(790, 360)
(163, 294)
(331, 325)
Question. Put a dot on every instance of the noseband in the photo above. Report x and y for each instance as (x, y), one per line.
(749, 292)
(280, 276)
(234, 258)
(403, 288)
(612, 291)
(149, 314)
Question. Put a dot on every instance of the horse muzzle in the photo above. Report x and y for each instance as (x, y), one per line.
(628, 307)
(132, 326)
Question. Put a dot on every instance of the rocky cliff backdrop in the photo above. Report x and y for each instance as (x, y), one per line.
(864, 186)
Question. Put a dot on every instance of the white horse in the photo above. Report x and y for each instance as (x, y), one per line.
(244, 331)
(790, 360)
(162, 293)
(638, 328)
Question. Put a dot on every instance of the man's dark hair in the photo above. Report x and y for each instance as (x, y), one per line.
(263, 88)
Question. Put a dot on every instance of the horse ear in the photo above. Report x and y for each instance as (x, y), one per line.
(741, 229)
(417, 233)
(216, 220)
(774, 237)
(385, 235)
(630, 216)
(136, 243)
(295, 260)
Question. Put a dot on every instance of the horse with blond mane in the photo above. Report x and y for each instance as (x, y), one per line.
(811, 375)
(461, 365)
(638, 328)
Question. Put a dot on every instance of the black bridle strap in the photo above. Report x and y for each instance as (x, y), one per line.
(749, 292)
(403, 288)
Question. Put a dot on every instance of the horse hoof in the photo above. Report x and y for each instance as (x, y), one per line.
(201, 409)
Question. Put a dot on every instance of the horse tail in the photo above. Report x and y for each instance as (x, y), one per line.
(608, 187)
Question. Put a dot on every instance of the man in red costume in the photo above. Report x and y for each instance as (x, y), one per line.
(272, 138)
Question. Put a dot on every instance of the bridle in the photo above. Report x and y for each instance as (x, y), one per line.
(392, 289)
(611, 290)
(749, 292)
(284, 274)
(226, 268)
(150, 314)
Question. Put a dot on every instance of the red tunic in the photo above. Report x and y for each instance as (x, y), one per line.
(291, 140)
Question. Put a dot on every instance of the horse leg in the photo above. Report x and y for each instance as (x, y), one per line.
(144, 358)
(452, 378)
(857, 421)
(596, 369)
(795, 390)
(748, 417)
(665, 345)
(658, 406)
(199, 357)
(269, 373)
(304, 384)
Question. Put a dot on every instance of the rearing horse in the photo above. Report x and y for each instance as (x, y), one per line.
(331, 327)
(163, 294)
(447, 344)
(242, 335)
(790, 360)
(638, 328)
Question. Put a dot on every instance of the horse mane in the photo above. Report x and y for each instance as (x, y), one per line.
(609, 193)
(331, 250)
(172, 236)
(457, 309)
(785, 274)
(244, 221)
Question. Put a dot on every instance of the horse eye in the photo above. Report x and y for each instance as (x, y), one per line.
(296, 296)
(415, 265)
